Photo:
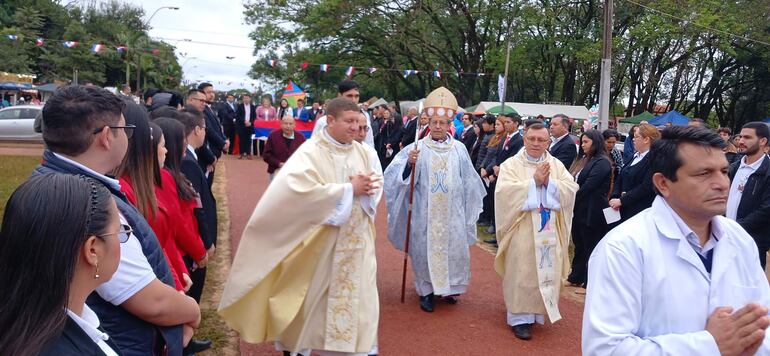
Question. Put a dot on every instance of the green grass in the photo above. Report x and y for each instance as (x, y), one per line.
(13, 171)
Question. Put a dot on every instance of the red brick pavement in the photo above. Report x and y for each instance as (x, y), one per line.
(475, 326)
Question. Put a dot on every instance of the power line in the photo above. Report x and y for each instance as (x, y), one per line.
(697, 24)
(198, 31)
(187, 40)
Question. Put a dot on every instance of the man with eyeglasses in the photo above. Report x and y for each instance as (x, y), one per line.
(207, 159)
(448, 196)
(139, 307)
(535, 195)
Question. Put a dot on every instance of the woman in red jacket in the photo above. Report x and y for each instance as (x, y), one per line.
(138, 176)
(185, 227)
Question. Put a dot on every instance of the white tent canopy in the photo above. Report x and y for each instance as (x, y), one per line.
(406, 105)
(534, 110)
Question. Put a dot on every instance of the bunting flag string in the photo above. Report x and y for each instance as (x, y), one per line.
(96, 48)
(350, 70)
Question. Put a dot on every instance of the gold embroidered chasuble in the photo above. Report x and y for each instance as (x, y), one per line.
(296, 280)
(532, 257)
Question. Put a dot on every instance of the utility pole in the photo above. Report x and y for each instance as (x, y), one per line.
(505, 77)
(75, 77)
(606, 70)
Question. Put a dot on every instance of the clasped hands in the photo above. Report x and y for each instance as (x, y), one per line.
(739, 333)
(365, 183)
(542, 172)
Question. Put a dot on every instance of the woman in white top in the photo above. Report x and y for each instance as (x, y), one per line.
(60, 239)
(284, 110)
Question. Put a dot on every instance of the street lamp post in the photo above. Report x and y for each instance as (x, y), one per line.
(138, 55)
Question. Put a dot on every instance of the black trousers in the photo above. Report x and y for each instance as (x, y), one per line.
(488, 205)
(585, 237)
(198, 278)
(230, 134)
(244, 137)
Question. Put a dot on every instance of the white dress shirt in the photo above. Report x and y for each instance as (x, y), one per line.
(638, 156)
(247, 113)
(739, 182)
(556, 140)
(89, 322)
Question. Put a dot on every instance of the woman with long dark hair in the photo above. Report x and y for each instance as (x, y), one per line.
(185, 237)
(60, 239)
(139, 175)
(593, 173)
(198, 206)
(284, 110)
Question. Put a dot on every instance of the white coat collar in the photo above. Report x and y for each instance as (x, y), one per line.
(724, 251)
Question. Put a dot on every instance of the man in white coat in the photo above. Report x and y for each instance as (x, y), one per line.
(679, 278)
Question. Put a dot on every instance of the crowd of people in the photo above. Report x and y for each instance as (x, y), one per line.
(120, 222)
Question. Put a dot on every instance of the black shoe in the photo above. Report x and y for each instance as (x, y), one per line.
(492, 241)
(287, 353)
(522, 331)
(449, 300)
(426, 303)
(196, 346)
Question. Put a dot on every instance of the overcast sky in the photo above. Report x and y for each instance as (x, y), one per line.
(220, 23)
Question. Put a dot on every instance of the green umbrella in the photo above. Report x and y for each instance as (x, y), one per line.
(643, 116)
(499, 110)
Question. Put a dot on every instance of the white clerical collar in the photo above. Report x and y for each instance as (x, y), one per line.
(112, 181)
(442, 142)
(192, 151)
(289, 137)
(533, 159)
(333, 141)
(89, 322)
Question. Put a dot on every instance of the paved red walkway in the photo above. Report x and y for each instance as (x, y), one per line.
(475, 326)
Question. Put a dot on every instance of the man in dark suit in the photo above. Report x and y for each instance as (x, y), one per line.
(410, 130)
(562, 147)
(315, 112)
(226, 114)
(513, 141)
(196, 103)
(245, 116)
(468, 136)
(215, 137)
(206, 213)
(300, 113)
(749, 200)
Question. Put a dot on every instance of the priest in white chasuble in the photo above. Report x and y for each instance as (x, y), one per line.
(534, 199)
(304, 274)
(448, 197)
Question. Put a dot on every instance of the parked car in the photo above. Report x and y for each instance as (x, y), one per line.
(17, 123)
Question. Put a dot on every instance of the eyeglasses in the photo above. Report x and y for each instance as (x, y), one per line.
(127, 128)
(363, 128)
(123, 234)
(537, 139)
